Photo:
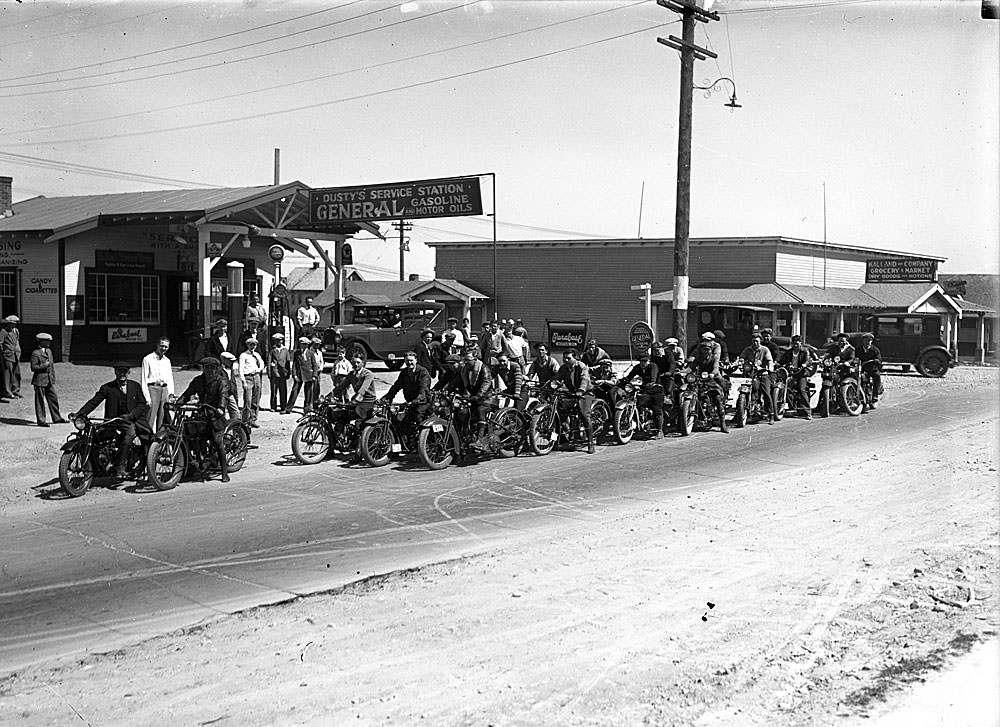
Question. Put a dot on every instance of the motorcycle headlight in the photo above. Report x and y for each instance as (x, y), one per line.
(690, 377)
(80, 423)
(629, 388)
(704, 374)
(827, 361)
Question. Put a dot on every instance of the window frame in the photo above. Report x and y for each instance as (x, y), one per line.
(150, 299)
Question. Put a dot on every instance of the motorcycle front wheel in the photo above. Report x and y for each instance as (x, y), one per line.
(166, 463)
(850, 398)
(625, 424)
(437, 450)
(311, 441)
(599, 416)
(543, 432)
(685, 418)
(824, 402)
(75, 473)
(778, 398)
(741, 415)
(510, 429)
(376, 444)
(236, 442)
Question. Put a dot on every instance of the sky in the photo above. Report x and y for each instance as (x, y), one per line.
(871, 123)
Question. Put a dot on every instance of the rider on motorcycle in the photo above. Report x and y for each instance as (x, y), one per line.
(575, 376)
(760, 358)
(543, 368)
(122, 399)
(666, 363)
(705, 357)
(362, 381)
(477, 384)
(594, 354)
(841, 347)
(797, 360)
(449, 380)
(871, 363)
(415, 383)
(212, 389)
(652, 390)
(512, 378)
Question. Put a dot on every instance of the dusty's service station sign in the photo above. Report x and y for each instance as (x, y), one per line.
(453, 197)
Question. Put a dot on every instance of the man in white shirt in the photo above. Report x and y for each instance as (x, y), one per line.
(157, 382)
(251, 371)
(308, 318)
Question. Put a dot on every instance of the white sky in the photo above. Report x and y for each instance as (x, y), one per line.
(894, 105)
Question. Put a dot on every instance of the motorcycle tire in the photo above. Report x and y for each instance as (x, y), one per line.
(236, 443)
(625, 424)
(311, 441)
(824, 402)
(376, 444)
(778, 394)
(437, 450)
(599, 417)
(510, 429)
(685, 419)
(166, 463)
(543, 432)
(851, 399)
(741, 415)
(75, 473)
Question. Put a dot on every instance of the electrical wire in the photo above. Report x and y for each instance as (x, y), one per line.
(796, 6)
(347, 99)
(370, 67)
(38, 162)
(230, 62)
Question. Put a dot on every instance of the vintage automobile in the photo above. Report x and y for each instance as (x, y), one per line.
(909, 340)
(385, 332)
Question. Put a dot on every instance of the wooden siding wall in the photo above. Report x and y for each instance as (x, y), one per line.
(730, 266)
(842, 271)
(578, 283)
(37, 266)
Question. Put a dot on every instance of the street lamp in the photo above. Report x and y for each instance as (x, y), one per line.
(716, 86)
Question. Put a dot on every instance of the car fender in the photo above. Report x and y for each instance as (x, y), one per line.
(941, 349)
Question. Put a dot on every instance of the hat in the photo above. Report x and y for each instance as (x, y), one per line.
(121, 365)
(841, 335)
(315, 340)
(708, 336)
(643, 355)
(452, 320)
(672, 341)
(43, 336)
(303, 339)
(592, 342)
(519, 331)
(754, 335)
(220, 321)
(719, 333)
(867, 336)
(210, 361)
(659, 344)
(12, 319)
(796, 337)
(251, 340)
(278, 335)
(452, 358)
(225, 355)
(768, 331)
(430, 331)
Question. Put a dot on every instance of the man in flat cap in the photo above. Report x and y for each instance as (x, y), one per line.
(123, 399)
(279, 368)
(221, 341)
(43, 378)
(707, 355)
(212, 389)
(10, 358)
(252, 370)
(301, 358)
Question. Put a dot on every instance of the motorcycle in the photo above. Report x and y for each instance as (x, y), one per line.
(324, 429)
(697, 407)
(793, 397)
(630, 418)
(182, 446)
(868, 384)
(448, 436)
(841, 379)
(753, 407)
(557, 420)
(385, 433)
(92, 451)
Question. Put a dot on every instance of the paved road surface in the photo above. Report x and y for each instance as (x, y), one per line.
(95, 575)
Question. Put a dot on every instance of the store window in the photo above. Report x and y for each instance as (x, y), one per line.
(8, 293)
(115, 298)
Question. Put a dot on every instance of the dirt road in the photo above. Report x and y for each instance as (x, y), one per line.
(816, 598)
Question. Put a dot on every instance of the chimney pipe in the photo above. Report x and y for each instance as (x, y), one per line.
(6, 197)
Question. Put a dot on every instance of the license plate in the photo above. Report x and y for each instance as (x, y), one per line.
(554, 437)
(437, 427)
(744, 389)
(397, 448)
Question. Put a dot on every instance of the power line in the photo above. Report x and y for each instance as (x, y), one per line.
(188, 45)
(796, 6)
(346, 99)
(31, 161)
(244, 94)
(212, 53)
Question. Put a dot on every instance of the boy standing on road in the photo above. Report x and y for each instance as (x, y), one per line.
(10, 357)
(43, 378)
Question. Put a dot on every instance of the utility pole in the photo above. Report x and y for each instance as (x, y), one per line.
(689, 12)
(404, 245)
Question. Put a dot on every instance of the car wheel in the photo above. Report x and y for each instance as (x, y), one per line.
(933, 364)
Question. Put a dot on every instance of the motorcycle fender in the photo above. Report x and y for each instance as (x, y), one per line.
(375, 420)
(160, 436)
(620, 406)
(436, 424)
(70, 445)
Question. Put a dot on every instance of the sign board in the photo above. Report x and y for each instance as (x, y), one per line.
(276, 253)
(126, 334)
(454, 197)
(567, 334)
(123, 260)
(901, 270)
(213, 249)
(640, 338)
(346, 254)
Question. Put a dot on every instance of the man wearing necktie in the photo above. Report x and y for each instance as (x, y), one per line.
(43, 378)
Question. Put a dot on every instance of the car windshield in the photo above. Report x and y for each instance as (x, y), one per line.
(389, 317)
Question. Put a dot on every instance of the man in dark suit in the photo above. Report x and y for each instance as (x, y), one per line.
(430, 355)
(122, 399)
(575, 376)
(221, 342)
(43, 378)
(212, 389)
(477, 384)
(415, 383)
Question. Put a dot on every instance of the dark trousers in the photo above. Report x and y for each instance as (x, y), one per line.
(802, 383)
(279, 393)
(653, 400)
(47, 395)
(310, 396)
(296, 387)
(763, 385)
(7, 380)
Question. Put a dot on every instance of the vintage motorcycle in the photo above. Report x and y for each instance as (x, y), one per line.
(841, 387)
(557, 420)
(449, 436)
(793, 401)
(385, 433)
(92, 451)
(697, 408)
(629, 418)
(324, 429)
(181, 445)
(868, 384)
(750, 407)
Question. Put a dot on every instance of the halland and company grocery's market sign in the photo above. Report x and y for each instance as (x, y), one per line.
(451, 197)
